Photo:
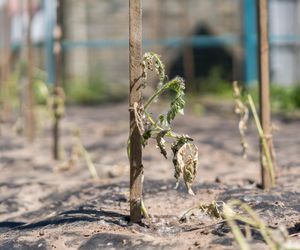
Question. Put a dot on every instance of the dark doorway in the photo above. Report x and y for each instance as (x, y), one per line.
(206, 60)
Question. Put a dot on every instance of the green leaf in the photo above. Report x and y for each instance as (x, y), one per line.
(178, 102)
(146, 136)
(161, 142)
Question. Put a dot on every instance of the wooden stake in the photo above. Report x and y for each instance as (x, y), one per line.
(264, 82)
(58, 78)
(6, 69)
(30, 67)
(156, 24)
(135, 73)
(188, 54)
(2, 77)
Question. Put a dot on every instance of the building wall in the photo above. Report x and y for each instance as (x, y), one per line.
(75, 22)
(162, 19)
(285, 49)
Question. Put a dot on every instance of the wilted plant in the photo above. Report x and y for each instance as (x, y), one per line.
(185, 153)
(213, 209)
(238, 214)
(267, 155)
(241, 108)
(276, 239)
(82, 152)
(55, 105)
(78, 151)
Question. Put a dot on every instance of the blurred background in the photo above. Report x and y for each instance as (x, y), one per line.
(208, 42)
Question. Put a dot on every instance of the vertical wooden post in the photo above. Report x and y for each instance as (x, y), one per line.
(6, 69)
(135, 72)
(2, 64)
(30, 77)
(49, 10)
(58, 77)
(188, 55)
(250, 49)
(264, 84)
(156, 24)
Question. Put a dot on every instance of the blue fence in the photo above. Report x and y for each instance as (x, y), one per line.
(248, 39)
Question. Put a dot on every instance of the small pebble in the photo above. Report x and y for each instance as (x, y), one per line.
(218, 180)
(197, 243)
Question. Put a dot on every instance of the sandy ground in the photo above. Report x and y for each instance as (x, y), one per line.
(45, 205)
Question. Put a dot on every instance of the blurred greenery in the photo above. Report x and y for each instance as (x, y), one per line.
(283, 99)
(213, 85)
(41, 92)
(93, 90)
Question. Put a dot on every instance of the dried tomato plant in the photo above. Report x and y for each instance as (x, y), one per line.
(242, 110)
(185, 153)
(242, 107)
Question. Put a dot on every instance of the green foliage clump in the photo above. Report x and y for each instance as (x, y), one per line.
(80, 92)
(41, 92)
(93, 90)
(283, 99)
(41, 89)
(214, 84)
(296, 96)
(15, 84)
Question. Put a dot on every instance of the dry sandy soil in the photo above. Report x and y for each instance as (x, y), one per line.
(46, 205)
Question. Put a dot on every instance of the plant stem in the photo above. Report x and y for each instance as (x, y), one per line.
(144, 210)
(151, 120)
(88, 159)
(241, 241)
(58, 76)
(269, 164)
(258, 223)
(156, 94)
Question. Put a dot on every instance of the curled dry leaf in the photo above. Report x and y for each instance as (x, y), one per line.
(187, 157)
(161, 143)
(190, 169)
(185, 161)
(152, 61)
(177, 165)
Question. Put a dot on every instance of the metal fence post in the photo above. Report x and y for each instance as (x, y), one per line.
(250, 41)
(49, 8)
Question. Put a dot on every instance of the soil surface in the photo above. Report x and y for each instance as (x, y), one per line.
(47, 204)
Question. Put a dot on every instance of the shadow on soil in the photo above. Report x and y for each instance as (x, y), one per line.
(100, 203)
